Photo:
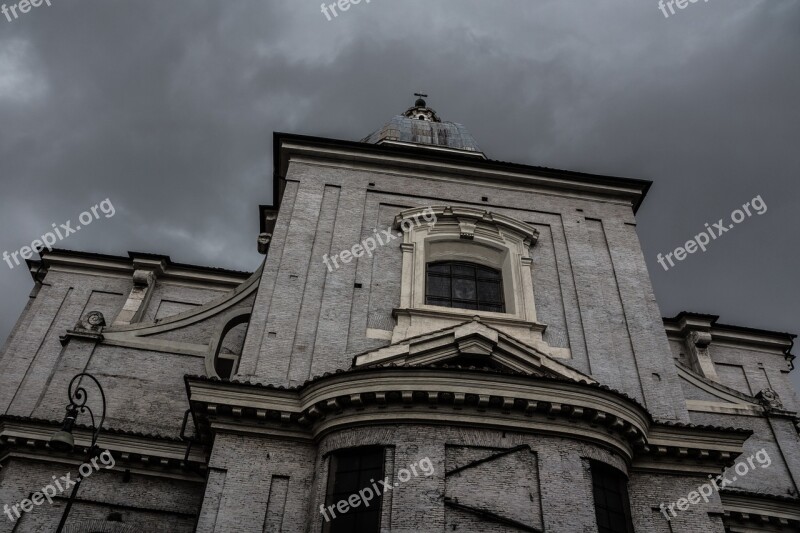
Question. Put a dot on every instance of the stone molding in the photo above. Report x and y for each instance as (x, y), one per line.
(462, 397)
(476, 340)
(141, 336)
(769, 399)
(745, 510)
(477, 236)
(268, 218)
(731, 401)
(697, 342)
(89, 328)
(144, 454)
(144, 281)
(455, 169)
(734, 336)
(124, 267)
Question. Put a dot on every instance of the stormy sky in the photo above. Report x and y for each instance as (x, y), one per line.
(168, 108)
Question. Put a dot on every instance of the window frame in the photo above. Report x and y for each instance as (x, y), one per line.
(332, 498)
(473, 235)
(605, 477)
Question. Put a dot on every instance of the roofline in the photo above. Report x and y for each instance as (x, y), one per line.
(777, 340)
(712, 320)
(420, 153)
(122, 264)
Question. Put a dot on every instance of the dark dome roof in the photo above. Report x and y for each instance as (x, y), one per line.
(421, 125)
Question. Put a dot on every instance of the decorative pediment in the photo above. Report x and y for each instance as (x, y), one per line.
(470, 344)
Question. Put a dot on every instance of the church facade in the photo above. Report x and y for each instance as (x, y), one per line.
(435, 341)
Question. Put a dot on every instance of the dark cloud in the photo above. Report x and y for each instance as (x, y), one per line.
(167, 108)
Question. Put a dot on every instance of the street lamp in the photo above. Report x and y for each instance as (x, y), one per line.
(63, 440)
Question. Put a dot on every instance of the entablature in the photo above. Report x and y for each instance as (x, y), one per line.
(468, 397)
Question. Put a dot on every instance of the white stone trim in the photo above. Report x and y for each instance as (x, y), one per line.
(464, 398)
(476, 236)
(472, 338)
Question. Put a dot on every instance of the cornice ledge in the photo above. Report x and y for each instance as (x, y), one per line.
(30, 438)
(424, 396)
(467, 316)
(761, 508)
(558, 180)
(79, 334)
(688, 448)
(473, 397)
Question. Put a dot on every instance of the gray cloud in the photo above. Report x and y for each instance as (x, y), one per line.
(168, 109)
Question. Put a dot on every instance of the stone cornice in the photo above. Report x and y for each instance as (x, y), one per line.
(690, 449)
(462, 397)
(405, 160)
(146, 454)
(770, 341)
(124, 267)
(742, 508)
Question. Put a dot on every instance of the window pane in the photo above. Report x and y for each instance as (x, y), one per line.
(439, 301)
(224, 367)
(489, 292)
(347, 463)
(612, 508)
(460, 269)
(343, 523)
(602, 518)
(346, 482)
(488, 273)
(464, 286)
(351, 471)
(372, 461)
(464, 289)
(365, 521)
(438, 286)
(442, 268)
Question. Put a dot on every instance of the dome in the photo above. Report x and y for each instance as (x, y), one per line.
(421, 125)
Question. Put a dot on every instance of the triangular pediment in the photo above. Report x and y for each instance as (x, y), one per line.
(472, 344)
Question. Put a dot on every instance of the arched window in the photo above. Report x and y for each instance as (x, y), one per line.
(494, 281)
(611, 502)
(350, 472)
(465, 286)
